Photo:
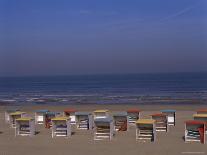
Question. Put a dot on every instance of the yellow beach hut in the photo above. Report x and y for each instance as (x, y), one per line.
(25, 126)
(146, 129)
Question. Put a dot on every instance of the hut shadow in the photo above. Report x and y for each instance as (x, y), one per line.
(37, 132)
(1, 132)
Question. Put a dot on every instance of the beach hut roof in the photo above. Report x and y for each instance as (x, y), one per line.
(134, 110)
(105, 120)
(42, 111)
(200, 115)
(202, 110)
(83, 113)
(168, 110)
(17, 113)
(60, 119)
(70, 110)
(24, 119)
(12, 110)
(194, 122)
(101, 111)
(120, 113)
(145, 121)
(159, 114)
(52, 113)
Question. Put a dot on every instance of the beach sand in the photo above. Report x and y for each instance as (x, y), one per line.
(82, 143)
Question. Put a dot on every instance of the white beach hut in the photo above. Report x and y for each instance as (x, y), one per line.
(103, 128)
(25, 126)
(40, 116)
(171, 116)
(61, 127)
(84, 120)
(15, 115)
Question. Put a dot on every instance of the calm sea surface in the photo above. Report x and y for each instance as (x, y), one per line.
(101, 89)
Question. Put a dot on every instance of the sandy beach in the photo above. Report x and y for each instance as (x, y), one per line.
(82, 142)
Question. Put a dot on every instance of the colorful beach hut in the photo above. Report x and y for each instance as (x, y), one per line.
(101, 113)
(84, 120)
(7, 114)
(48, 118)
(103, 128)
(120, 121)
(70, 113)
(160, 121)
(15, 115)
(25, 126)
(40, 116)
(201, 117)
(146, 129)
(202, 111)
(134, 115)
(61, 126)
(195, 131)
(171, 116)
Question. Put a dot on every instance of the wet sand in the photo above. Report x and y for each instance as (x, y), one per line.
(82, 143)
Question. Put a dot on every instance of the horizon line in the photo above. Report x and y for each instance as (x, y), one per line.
(97, 74)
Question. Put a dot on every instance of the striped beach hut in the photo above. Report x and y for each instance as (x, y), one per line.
(160, 121)
(146, 129)
(171, 116)
(15, 115)
(195, 131)
(61, 126)
(120, 121)
(84, 120)
(133, 115)
(25, 126)
(103, 128)
(7, 113)
(102, 113)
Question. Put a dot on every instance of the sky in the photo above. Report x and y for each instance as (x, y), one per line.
(64, 37)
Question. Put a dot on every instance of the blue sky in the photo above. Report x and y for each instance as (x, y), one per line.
(58, 37)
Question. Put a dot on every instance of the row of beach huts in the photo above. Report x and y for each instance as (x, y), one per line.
(105, 124)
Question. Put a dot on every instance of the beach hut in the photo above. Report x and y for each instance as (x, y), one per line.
(202, 111)
(171, 116)
(70, 113)
(201, 117)
(120, 121)
(40, 116)
(61, 126)
(7, 113)
(25, 126)
(15, 115)
(134, 115)
(195, 131)
(84, 120)
(101, 113)
(48, 118)
(103, 128)
(146, 129)
(160, 121)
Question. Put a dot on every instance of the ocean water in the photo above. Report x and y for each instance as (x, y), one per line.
(103, 89)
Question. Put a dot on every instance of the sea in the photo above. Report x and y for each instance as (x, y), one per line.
(157, 88)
